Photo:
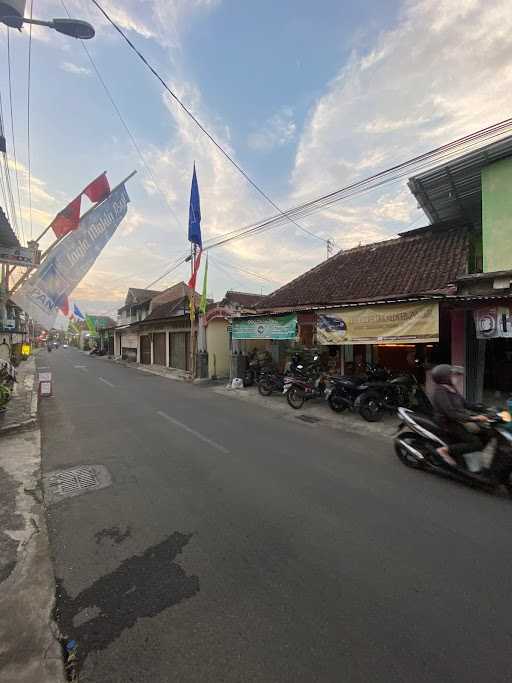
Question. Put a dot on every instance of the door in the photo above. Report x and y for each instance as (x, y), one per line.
(145, 349)
(159, 348)
(179, 351)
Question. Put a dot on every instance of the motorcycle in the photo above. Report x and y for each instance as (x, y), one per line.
(345, 390)
(377, 397)
(419, 437)
(255, 368)
(7, 380)
(311, 383)
(270, 380)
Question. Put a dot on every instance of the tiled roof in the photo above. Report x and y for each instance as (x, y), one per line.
(420, 262)
(243, 298)
(170, 309)
(140, 295)
(7, 236)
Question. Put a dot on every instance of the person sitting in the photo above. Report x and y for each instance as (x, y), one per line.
(453, 414)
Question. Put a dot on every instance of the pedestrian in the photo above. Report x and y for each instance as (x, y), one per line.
(5, 350)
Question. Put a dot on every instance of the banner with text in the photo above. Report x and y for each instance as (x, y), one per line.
(406, 323)
(71, 260)
(268, 327)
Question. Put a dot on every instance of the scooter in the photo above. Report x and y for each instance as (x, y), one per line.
(309, 384)
(377, 397)
(344, 391)
(419, 438)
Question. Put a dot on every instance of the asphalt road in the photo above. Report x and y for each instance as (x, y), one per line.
(235, 545)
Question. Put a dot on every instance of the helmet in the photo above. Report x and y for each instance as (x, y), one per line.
(442, 374)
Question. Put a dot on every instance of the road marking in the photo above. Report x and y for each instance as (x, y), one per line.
(198, 435)
(105, 381)
(81, 367)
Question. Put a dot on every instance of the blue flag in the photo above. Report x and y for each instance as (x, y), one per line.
(78, 313)
(194, 214)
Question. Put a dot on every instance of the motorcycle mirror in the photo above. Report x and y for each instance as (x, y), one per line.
(315, 357)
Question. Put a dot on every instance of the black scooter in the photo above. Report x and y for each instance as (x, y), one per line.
(344, 391)
(419, 438)
(377, 397)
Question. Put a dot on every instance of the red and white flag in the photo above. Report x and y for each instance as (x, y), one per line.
(98, 190)
(68, 219)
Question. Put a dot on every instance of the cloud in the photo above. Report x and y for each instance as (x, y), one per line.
(279, 130)
(441, 72)
(75, 69)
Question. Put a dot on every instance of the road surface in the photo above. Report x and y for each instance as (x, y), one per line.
(235, 545)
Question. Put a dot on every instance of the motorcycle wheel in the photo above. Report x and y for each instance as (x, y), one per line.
(404, 455)
(336, 403)
(370, 408)
(295, 398)
(249, 378)
(265, 387)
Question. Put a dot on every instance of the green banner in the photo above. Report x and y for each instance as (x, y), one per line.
(268, 327)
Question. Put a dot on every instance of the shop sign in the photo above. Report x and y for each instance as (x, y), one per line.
(10, 324)
(218, 312)
(390, 323)
(493, 322)
(17, 256)
(268, 327)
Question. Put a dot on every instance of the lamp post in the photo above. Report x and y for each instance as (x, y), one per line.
(12, 14)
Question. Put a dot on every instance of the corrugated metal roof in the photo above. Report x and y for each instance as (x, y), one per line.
(453, 191)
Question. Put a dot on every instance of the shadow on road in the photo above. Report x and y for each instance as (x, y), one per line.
(142, 586)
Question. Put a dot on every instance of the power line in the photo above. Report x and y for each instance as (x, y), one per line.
(9, 199)
(29, 165)
(199, 124)
(248, 272)
(125, 125)
(367, 184)
(22, 222)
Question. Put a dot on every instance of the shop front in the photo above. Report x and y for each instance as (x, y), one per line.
(272, 336)
(406, 337)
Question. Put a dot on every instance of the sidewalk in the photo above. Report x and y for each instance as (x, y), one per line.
(29, 649)
(316, 412)
(21, 410)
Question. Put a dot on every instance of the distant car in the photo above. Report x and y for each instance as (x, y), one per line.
(65, 346)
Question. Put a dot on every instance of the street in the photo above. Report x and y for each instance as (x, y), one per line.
(235, 545)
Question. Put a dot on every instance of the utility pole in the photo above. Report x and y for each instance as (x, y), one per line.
(330, 247)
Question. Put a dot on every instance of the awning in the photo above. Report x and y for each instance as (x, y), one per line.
(397, 323)
(265, 327)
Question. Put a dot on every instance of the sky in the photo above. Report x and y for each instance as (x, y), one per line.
(306, 97)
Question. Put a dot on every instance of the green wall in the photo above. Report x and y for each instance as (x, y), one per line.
(497, 216)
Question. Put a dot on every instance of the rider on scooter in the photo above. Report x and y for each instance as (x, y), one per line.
(454, 414)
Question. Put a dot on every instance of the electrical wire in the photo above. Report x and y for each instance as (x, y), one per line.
(7, 187)
(29, 165)
(131, 137)
(246, 271)
(22, 222)
(375, 181)
(199, 124)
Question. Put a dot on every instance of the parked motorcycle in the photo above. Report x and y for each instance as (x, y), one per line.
(256, 366)
(377, 397)
(419, 438)
(344, 391)
(7, 380)
(309, 384)
(271, 380)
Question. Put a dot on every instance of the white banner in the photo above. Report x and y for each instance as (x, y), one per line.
(71, 260)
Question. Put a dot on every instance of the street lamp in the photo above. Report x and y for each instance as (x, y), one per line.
(11, 14)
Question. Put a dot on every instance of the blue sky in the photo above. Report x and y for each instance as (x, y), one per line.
(305, 96)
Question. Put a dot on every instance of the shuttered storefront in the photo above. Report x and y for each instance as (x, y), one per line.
(145, 349)
(179, 343)
(159, 348)
(129, 346)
